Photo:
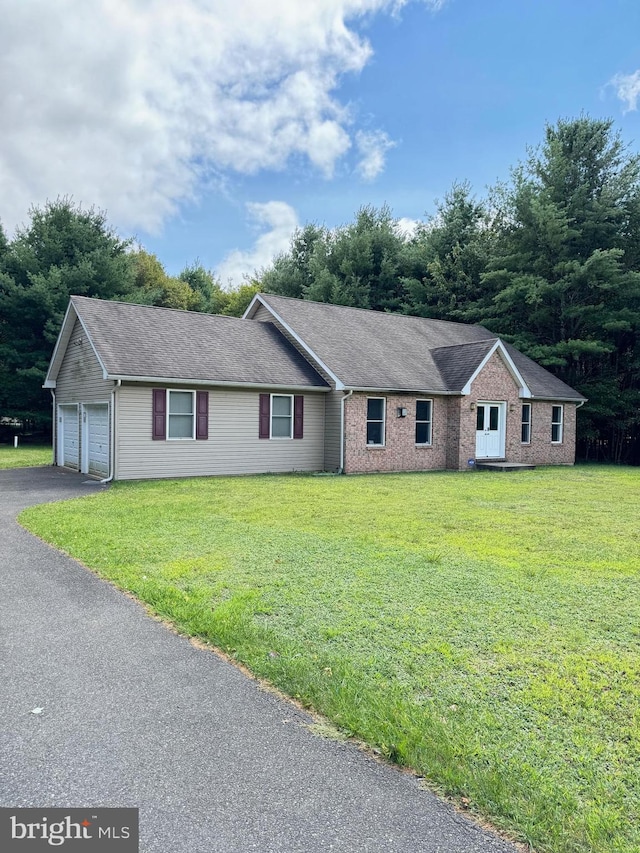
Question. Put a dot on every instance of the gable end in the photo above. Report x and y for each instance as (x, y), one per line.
(509, 364)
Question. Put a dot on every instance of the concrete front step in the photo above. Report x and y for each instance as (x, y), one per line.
(504, 466)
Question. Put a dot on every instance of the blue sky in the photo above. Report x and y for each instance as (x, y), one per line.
(212, 130)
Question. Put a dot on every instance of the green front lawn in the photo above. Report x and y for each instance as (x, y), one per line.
(25, 455)
(481, 628)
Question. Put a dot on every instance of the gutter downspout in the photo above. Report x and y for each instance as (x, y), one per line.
(342, 402)
(112, 443)
(54, 424)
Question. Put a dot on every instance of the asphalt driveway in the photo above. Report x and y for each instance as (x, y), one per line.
(134, 715)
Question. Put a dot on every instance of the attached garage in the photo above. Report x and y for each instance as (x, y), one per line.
(95, 440)
(68, 437)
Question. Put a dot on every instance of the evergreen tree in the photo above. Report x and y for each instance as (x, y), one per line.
(64, 251)
(564, 280)
(358, 264)
(446, 258)
(294, 272)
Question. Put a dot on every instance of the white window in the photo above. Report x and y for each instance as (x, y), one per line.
(525, 432)
(281, 416)
(181, 420)
(423, 421)
(556, 424)
(375, 421)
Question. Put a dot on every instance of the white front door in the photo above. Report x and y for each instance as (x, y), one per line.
(95, 440)
(68, 442)
(490, 430)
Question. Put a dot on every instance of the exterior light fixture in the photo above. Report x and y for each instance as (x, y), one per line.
(402, 412)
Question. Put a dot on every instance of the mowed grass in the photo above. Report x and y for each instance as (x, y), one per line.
(481, 628)
(25, 455)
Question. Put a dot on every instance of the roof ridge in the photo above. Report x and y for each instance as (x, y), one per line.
(469, 343)
(154, 307)
(371, 310)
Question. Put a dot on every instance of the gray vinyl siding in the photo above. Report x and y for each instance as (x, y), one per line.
(332, 399)
(333, 413)
(79, 380)
(233, 446)
(263, 315)
(80, 377)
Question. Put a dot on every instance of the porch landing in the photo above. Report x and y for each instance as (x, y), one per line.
(504, 466)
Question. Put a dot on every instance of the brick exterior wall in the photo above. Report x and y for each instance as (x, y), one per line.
(496, 384)
(400, 452)
(454, 428)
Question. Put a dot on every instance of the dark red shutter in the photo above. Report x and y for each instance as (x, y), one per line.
(265, 415)
(298, 416)
(159, 414)
(202, 415)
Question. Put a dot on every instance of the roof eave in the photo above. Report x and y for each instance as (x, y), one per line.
(377, 390)
(214, 383)
(564, 399)
(60, 347)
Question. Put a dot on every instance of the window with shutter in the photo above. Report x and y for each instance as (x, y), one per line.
(298, 416)
(264, 416)
(180, 415)
(202, 415)
(159, 428)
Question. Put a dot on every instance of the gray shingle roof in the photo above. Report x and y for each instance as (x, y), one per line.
(143, 341)
(372, 349)
(540, 381)
(457, 363)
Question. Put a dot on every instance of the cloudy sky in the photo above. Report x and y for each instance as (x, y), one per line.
(210, 129)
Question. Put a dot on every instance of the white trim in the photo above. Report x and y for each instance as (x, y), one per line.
(502, 427)
(51, 383)
(168, 392)
(62, 343)
(559, 423)
(84, 432)
(430, 421)
(54, 424)
(428, 391)
(376, 421)
(545, 399)
(248, 314)
(280, 437)
(522, 422)
(513, 370)
(60, 433)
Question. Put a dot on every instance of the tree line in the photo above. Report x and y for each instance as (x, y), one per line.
(549, 260)
(64, 251)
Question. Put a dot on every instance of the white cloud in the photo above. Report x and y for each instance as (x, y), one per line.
(627, 88)
(280, 221)
(129, 104)
(407, 227)
(372, 147)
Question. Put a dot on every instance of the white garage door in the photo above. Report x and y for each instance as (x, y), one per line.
(96, 441)
(68, 436)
